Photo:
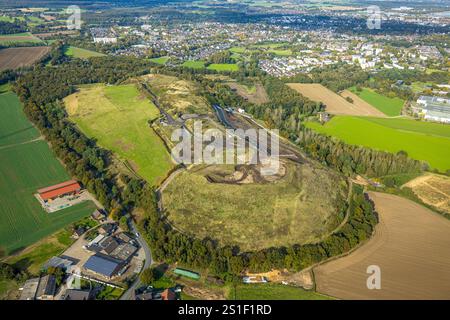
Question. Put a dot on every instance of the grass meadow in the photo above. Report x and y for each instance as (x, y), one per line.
(160, 60)
(194, 64)
(389, 106)
(424, 141)
(81, 53)
(118, 117)
(223, 67)
(273, 291)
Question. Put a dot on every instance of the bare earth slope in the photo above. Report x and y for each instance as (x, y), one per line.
(411, 246)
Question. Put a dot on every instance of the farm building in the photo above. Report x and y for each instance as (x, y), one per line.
(43, 288)
(47, 288)
(103, 265)
(73, 294)
(186, 273)
(58, 190)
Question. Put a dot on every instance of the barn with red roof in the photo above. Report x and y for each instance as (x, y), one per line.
(58, 190)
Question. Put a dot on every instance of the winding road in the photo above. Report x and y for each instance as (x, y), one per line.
(128, 295)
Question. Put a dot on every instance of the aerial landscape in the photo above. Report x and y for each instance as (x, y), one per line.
(225, 150)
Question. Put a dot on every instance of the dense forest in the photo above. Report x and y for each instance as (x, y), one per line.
(41, 91)
(12, 27)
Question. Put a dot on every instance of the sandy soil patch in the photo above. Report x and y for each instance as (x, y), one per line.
(410, 245)
(433, 190)
(302, 279)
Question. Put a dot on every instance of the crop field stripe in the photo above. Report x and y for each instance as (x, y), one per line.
(14, 126)
(422, 141)
(26, 166)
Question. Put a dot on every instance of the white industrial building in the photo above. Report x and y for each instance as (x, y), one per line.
(434, 108)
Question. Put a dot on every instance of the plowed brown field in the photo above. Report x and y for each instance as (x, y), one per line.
(334, 103)
(411, 246)
(13, 58)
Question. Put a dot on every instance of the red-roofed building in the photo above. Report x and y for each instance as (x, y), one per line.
(168, 295)
(58, 190)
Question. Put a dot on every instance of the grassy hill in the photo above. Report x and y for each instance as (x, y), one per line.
(299, 207)
(118, 116)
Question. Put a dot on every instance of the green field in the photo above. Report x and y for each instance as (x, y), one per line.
(81, 53)
(117, 116)
(238, 49)
(33, 257)
(21, 38)
(27, 165)
(194, 64)
(160, 60)
(273, 291)
(389, 106)
(424, 141)
(14, 126)
(281, 52)
(223, 67)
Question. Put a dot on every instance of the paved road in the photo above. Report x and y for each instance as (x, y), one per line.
(221, 115)
(148, 262)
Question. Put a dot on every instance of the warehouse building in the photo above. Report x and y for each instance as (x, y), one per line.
(103, 265)
(434, 108)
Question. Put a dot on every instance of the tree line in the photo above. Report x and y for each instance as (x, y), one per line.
(12, 27)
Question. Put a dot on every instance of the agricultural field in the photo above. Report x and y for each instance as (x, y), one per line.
(280, 52)
(14, 126)
(389, 106)
(11, 39)
(27, 164)
(238, 206)
(223, 67)
(423, 141)
(334, 103)
(13, 58)
(410, 245)
(194, 64)
(273, 291)
(256, 94)
(55, 33)
(80, 53)
(176, 95)
(32, 258)
(432, 189)
(118, 116)
(160, 60)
